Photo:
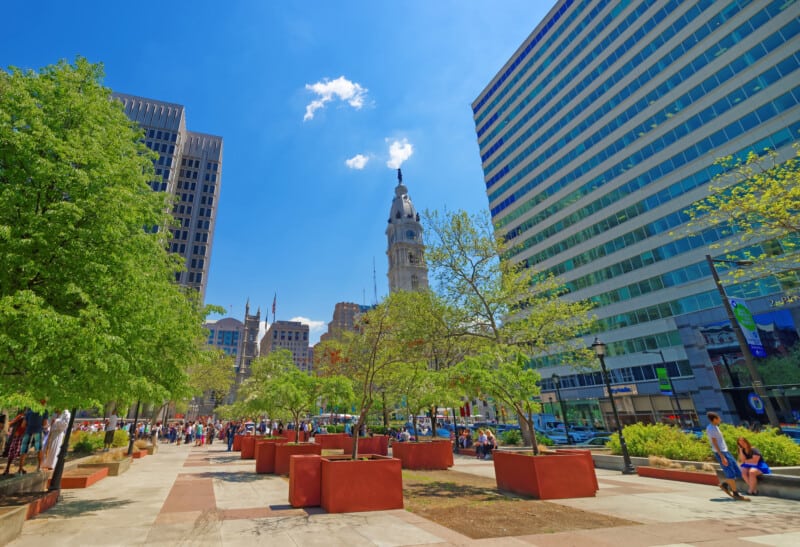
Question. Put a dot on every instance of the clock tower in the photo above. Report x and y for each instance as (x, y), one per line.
(406, 250)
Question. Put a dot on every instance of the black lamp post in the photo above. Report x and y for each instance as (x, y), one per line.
(671, 386)
(557, 383)
(758, 384)
(600, 350)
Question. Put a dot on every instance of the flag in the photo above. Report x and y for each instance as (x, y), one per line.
(274, 301)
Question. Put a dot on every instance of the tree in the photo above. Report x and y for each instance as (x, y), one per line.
(89, 309)
(505, 312)
(277, 385)
(755, 201)
(369, 358)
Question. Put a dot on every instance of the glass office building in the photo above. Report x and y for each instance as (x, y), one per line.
(597, 136)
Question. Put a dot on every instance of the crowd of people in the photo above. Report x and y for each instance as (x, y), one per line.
(34, 431)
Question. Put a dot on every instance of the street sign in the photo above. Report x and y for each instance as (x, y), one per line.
(749, 327)
(622, 389)
(663, 380)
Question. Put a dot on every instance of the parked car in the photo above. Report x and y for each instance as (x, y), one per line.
(793, 434)
(595, 442)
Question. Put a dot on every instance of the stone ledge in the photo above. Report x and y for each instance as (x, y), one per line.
(786, 487)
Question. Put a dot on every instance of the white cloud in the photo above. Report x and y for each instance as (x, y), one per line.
(399, 151)
(327, 90)
(316, 327)
(359, 161)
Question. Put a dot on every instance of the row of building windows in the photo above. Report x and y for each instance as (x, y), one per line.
(187, 185)
(207, 200)
(163, 148)
(162, 135)
(570, 77)
(746, 91)
(672, 220)
(187, 197)
(185, 162)
(203, 224)
(195, 277)
(201, 237)
(182, 209)
(288, 335)
(187, 174)
(205, 212)
(158, 186)
(212, 178)
(643, 104)
(622, 375)
(209, 188)
(650, 342)
(198, 263)
(199, 250)
(179, 248)
(532, 44)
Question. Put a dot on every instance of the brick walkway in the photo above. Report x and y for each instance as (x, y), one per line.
(206, 496)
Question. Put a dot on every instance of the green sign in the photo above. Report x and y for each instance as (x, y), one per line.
(663, 381)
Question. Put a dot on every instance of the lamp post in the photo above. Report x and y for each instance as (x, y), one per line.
(557, 382)
(758, 385)
(671, 385)
(600, 351)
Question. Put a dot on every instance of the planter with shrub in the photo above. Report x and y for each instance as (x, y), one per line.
(424, 454)
(555, 475)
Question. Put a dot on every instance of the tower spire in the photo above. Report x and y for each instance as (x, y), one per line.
(399, 177)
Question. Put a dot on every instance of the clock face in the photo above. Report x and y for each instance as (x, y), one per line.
(411, 234)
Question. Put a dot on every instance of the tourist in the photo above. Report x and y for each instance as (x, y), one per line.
(35, 424)
(230, 432)
(752, 463)
(725, 459)
(57, 431)
(16, 433)
(480, 445)
(491, 444)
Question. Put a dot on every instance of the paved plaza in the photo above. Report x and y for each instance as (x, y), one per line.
(206, 496)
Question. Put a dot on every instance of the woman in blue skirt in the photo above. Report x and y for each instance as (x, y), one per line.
(752, 464)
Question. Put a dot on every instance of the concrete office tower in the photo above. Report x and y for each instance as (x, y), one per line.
(596, 136)
(291, 335)
(189, 167)
(344, 319)
(406, 250)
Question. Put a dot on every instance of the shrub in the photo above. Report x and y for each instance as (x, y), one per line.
(85, 442)
(544, 439)
(378, 430)
(121, 438)
(661, 440)
(670, 442)
(512, 437)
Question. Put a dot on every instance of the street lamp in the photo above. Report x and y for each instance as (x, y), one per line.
(671, 385)
(758, 384)
(557, 382)
(600, 351)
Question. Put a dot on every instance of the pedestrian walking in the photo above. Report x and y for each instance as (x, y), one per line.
(725, 459)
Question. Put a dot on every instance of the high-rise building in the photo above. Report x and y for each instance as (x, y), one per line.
(224, 334)
(406, 250)
(597, 135)
(189, 167)
(344, 319)
(291, 335)
(248, 345)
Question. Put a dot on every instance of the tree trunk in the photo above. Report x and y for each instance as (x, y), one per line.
(362, 418)
(55, 481)
(297, 428)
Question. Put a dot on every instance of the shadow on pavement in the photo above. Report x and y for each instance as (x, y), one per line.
(68, 508)
(229, 476)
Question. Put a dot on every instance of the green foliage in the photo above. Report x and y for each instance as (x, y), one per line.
(670, 442)
(379, 430)
(776, 449)
(512, 437)
(89, 309)
(121, 438)
(545, 440)
(85, 442)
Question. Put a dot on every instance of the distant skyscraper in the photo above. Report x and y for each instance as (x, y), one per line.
(406, 250)
(189, 167)
(291, 335)
(344, 319)
(225, 334)
(597, 135)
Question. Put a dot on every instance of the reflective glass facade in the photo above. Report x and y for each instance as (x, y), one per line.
(603, 129)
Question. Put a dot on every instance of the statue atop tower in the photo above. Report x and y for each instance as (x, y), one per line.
(406, 249)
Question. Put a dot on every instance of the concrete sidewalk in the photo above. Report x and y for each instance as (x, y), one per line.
(206, 496)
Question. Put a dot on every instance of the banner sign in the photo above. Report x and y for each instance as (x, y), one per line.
(663, 381)
(756, 403)
(749, 327)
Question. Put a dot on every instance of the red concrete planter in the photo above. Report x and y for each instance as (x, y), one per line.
(305, 481)
(374, 445)
(237, 442)
(248, 447)
(265, 454)
(289, 435)
(42, 503)
(696, 477)
(333, 441)
(424, 455)
(284, 451)
(374, 483)
(138, 454)
(82, 478)
(559, 475)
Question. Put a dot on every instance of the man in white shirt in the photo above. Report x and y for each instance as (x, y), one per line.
(725, 459)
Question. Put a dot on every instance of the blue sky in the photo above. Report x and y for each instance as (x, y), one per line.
(294, 218)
